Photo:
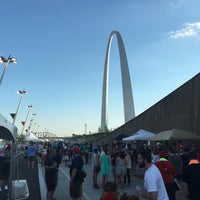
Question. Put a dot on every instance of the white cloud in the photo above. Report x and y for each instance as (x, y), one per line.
(189, 30)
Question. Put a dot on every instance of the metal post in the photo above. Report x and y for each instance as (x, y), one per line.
(7, 62)
(21, 93)
(29, 108)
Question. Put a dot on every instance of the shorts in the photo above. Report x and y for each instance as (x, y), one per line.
(51, 183)
(75, 189)
(113, 169)
(31, 158)
(97, 169)
(120, 170)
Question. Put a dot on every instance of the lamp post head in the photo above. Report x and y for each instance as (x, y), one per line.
(2, 59)
(30, 106)
(22, 92)
(12, 60)
(9, 60)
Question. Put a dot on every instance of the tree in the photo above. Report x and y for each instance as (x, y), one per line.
(20, 138)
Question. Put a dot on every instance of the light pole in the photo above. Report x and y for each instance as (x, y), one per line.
(31, 122)
(85, 128)
(34, 128)
(37, 130)
(21, 92)
(29, 108)
(7, 62)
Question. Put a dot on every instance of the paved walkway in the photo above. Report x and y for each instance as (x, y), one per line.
(31, 175)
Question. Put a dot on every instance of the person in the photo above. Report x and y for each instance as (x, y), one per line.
(191, 177)
(2, 155)
(153, 181)
(120, 170)
(155, 155)
(105, 166)
(114, 155)
(76, 178)
(39, 151)
(84, 151)
(26, 154)
(44, 154)
(50, 167)
(124, 196)
(168, 173)
(185, 156)
(31, 155)
(96, 166)
(176, 161)
(6, 167)
(58, 159)
(110, 191)
(128, 167)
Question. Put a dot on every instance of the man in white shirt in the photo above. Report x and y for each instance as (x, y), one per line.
(153, 181)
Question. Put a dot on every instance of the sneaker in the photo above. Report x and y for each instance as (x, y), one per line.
(6, 187)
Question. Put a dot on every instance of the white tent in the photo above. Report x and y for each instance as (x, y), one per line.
(31, 137)
(140, 135)
(7, 130)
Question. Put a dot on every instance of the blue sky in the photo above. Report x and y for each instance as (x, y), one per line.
(61, 46)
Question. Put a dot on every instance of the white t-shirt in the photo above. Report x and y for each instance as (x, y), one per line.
(95, 159)
(153, 182)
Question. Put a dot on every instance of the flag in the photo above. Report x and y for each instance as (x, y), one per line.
(23, 123)
(13, 115)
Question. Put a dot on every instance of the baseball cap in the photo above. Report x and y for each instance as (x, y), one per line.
(77, 150)
(162, 154)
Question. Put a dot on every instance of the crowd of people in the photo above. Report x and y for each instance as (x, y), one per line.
(168, 168)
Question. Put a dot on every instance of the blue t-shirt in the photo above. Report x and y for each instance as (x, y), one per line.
(31, 150)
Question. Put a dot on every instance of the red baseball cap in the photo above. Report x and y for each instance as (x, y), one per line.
(77, 150)
(162, 154)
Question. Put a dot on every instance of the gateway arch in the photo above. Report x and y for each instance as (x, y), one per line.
(129, 110)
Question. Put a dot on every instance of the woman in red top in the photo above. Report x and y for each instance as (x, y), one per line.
(110, 191)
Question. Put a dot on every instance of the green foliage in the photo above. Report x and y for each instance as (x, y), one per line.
(20, 138)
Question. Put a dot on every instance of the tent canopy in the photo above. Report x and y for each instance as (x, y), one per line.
(7, 130)
(31, 137)
(175, 134)
(140, 135)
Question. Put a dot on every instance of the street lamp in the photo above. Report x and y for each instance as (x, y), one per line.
(37, 129)
(34, 127)
(31, 122)
(21, 92)
(7, 62)
(29, 108)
